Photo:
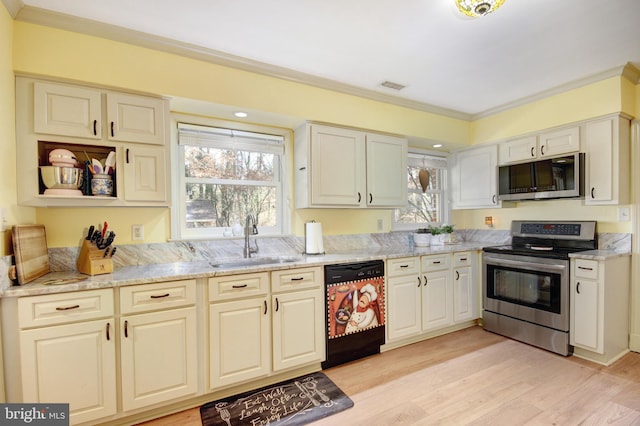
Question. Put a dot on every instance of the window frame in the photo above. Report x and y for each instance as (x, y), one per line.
(444, 190)
(179, 231)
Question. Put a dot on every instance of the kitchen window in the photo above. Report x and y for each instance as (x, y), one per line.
(225, 174)
(426, 206)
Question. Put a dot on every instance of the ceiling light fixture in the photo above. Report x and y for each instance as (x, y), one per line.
(477, 8)
(240, 114)
(437, 145)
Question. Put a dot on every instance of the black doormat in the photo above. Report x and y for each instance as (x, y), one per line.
(293, 403)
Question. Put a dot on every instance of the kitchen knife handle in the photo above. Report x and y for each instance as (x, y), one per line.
(91, 228)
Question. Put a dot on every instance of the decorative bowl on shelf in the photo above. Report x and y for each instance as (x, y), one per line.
(55, 177)
(62, 158)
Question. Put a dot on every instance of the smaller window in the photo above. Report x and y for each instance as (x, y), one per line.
(427, 185)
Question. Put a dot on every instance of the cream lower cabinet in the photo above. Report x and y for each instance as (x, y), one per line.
(239, 333)
(437, 292)
(599, 308)
(430, 293)
(254, 333)
(158, 343)
(67, 353)
(298, 327)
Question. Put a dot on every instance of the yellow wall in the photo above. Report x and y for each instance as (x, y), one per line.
(8, 197)
(45, 51)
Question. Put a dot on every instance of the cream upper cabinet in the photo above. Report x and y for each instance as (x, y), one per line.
(91, 122)
(543, 145)
(145, 175)
(606, 143)
(67, 110)
(133, 118)
(339, 167)
(386, 171)
(474, 178)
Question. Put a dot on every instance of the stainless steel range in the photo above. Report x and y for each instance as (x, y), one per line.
(526, 284)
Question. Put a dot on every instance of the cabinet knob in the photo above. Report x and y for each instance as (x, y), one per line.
(578, 287)
(277, 305)
(419, 282)
(67, 308)
(265, 307)
(533, 153)
(542, 150)
(370, 198)
(159, 296)
(359, 197)
(126, 329)
(127, 156)
(108, 331)
(95, 127)
(593, 189)
(457, 275)
(112, 133)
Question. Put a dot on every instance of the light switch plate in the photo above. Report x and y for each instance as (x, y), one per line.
(624, 214)
(137, 232)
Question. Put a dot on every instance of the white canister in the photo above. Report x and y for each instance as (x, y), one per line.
(421, 239)
(101, 184)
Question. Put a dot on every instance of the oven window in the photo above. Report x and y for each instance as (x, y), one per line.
(539, 290)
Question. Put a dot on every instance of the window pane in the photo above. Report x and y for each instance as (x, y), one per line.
(218, 163)
(220, 206)
(422, 207)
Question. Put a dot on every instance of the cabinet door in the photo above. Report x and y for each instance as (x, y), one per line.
(337, 167)
(239, 343)
(135, 118)
(519, 150)
(298, 328)
(159, 358)
(437, 300)
(144, 174)
(74, 363)
(600, 167)
(386, 171)
(463, 295)
(559, 142)
(67, 110)
(403, 306)
(474, 176)
(586, 316)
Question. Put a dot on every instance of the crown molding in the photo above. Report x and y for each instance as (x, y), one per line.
(99, 29)
(628, 71)
(44, 17)
(13, 7)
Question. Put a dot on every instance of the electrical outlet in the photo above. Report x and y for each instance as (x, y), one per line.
(380, 224)
(137, 232)
(624, 214)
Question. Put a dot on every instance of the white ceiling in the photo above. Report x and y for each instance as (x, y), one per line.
(472, 67)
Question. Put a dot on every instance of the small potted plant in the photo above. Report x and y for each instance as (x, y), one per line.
(448, 232)
(442, 235)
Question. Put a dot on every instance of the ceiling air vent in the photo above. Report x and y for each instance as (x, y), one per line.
(392, 85)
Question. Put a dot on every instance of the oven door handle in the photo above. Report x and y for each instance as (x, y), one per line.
(522, 264)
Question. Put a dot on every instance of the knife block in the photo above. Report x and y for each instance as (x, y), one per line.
(91, 260)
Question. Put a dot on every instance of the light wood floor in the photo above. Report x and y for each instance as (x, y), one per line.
(476, 377)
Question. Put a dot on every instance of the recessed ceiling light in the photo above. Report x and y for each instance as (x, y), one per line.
(240, 114)
(437, 145)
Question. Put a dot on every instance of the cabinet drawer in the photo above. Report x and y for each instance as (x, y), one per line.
(586, 268)
(436, 262)
(294, 279)
(53, 309)
(464, 258)
(237, 286)
(403, 266)
(151, 297)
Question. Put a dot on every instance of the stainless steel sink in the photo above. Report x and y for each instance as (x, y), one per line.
(254, 261)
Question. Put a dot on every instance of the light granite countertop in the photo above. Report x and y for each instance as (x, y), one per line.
(66, 281)
(599, 254)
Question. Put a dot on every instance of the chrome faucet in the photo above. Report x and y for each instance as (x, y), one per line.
(250, 228)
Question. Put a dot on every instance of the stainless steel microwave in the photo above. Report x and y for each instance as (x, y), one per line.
(558, 177)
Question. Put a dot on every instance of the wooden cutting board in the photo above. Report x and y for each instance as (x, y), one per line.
(31, 253)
